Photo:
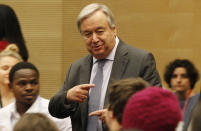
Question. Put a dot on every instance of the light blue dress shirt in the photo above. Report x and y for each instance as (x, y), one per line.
(9, 115)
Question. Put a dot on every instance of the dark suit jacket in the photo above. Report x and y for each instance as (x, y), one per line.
(193, 101)
(128, 62)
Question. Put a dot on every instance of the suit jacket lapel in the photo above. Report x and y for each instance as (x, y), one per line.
(85, 70)
(120, 62)
(85, 73)
(119, 66)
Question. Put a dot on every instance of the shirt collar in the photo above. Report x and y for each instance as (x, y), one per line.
(112, 53)
(34, 107)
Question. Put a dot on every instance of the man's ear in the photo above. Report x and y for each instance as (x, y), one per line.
(115, 30)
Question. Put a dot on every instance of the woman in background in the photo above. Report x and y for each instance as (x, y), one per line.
(8, 58)
(10, 31)
(182, 75)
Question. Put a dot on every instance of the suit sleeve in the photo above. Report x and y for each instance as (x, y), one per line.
(59, 106)
(149, 71)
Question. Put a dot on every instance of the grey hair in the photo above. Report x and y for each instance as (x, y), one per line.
(90, 9)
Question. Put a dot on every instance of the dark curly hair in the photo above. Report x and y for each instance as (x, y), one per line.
(191, 70)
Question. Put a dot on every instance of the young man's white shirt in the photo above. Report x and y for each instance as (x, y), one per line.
(9, 116)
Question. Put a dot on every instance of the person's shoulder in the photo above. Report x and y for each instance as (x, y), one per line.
(81, 61)
(132, 49)
(195, 97)
(44, 102)
(6, 108)
(63, 124)
(5, 111)
(192, 102)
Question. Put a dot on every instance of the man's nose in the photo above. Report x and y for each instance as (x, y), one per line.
(94, 37)
(29, 87)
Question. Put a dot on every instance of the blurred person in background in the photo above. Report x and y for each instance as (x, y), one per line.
(181, 75)
(152, 109)
(120, 93)
(10, 31)
(8, 58)
(35, 122)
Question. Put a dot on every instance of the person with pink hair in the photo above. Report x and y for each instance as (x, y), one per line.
(152, 109)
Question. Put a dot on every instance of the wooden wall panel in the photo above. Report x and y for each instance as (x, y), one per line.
(42, 25)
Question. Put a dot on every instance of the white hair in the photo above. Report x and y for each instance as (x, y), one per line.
(90, 9)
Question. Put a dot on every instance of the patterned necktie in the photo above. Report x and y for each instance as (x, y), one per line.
(95, 96)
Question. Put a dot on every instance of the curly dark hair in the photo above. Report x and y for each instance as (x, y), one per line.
(192, 72)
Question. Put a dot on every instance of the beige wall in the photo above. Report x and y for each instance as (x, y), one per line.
(42, 25)
(168, 28)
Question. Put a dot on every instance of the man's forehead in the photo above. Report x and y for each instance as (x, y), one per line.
(26, 72)
(95, 16)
